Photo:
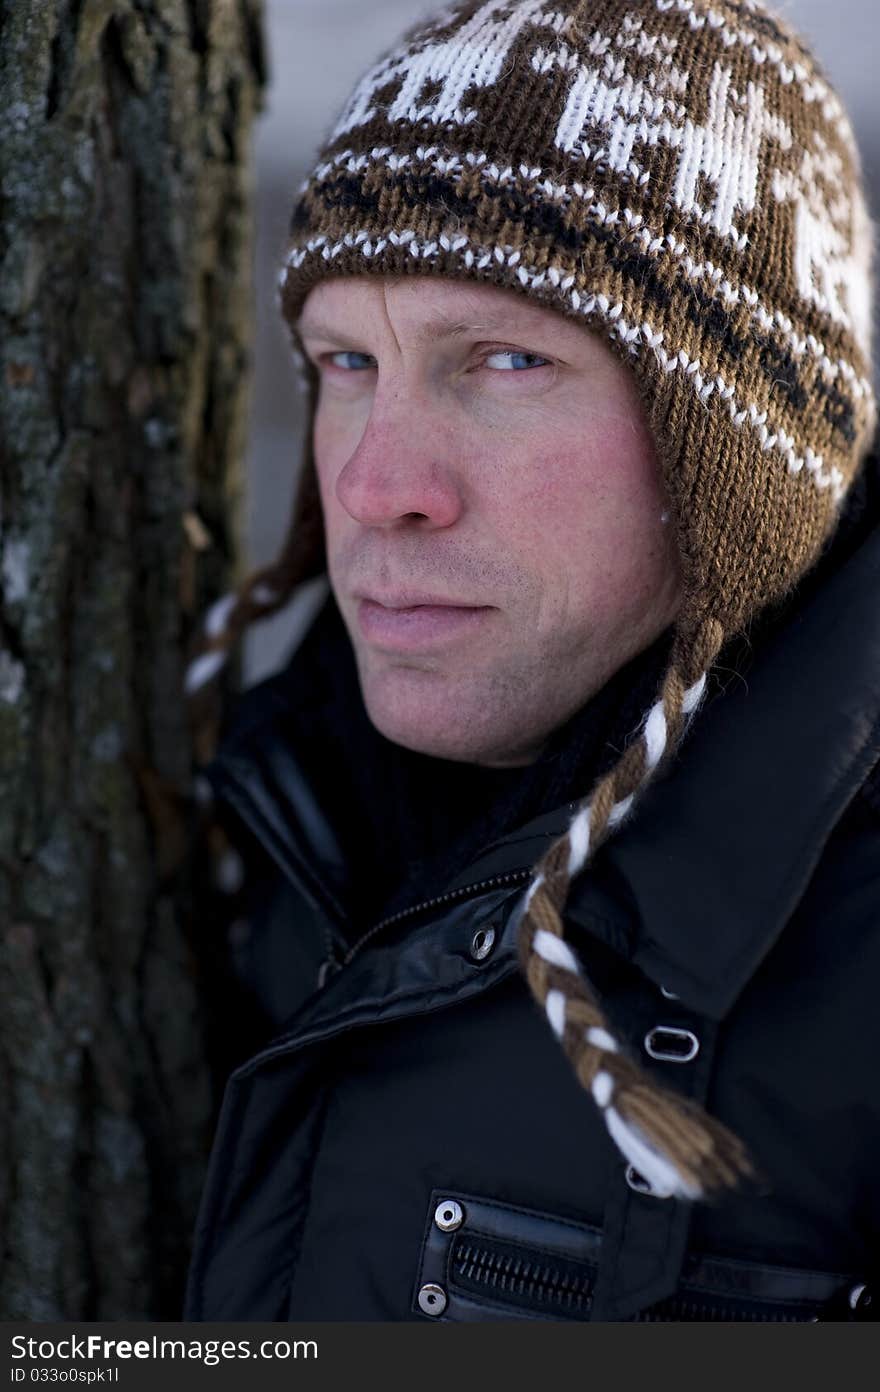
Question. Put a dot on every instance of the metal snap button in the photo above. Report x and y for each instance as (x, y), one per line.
(671, 1045)
(432, 1299)
(482, 943)
(861, 1302)
(637, 1181)
(448, 1215)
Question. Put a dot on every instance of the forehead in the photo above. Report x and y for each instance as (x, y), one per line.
(435, 303)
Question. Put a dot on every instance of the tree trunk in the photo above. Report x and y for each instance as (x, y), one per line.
(125, 320)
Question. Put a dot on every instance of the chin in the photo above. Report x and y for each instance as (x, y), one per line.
(443, 741)
(462, 717)
(453, 733)
(438, 727)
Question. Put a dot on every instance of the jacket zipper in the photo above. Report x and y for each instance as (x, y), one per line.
(695, 1308)
(496, 881)
(532, 1277)
(333, 962)
(453, 895)
(532, 1281)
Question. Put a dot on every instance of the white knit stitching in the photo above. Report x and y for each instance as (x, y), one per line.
(727, 149)
(532, 890)
(655, 735)
(692, 696)
(555, 950)
(620, 810)
(661, 1173)
(812, 86)
(555, 1008)
(579, 841)
(200, 671)
(602, 1088)
(473, 57)
(601, 1039)
(776, 439)
(217, 615)
(832, 239)
(652, 242)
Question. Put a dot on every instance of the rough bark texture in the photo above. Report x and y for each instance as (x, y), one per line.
(124, 343)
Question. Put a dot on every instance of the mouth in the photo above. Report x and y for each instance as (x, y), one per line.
(409, 599)
(407, 623)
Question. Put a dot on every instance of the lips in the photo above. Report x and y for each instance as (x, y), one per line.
(412, 622)
(412, 600)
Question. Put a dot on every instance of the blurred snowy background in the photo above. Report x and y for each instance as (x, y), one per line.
(317, 50)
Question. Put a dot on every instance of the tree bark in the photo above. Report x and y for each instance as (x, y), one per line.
(125, 317)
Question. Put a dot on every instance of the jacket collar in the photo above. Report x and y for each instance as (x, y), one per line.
(722, 848)
(701, 881)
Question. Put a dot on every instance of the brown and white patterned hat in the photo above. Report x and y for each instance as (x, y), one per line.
(678, 176)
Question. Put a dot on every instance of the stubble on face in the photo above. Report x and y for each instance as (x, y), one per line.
(455, 702)
(488, 701)
(541, 501)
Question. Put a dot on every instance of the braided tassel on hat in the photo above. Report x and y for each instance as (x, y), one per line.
(673, 1143)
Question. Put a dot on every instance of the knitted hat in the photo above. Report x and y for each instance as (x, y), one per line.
(679, 177)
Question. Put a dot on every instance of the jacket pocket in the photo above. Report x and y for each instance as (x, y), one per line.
(486, 1260)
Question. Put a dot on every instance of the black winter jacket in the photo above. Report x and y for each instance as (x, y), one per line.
(412, 1144)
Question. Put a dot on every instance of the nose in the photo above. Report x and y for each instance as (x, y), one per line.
(402, 470)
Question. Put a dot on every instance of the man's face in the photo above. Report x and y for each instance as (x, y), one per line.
(477, 450)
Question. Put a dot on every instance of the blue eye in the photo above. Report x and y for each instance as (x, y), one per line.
(364, 360)
(520, 360)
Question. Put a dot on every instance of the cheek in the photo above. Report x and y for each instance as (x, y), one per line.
(598, 508)
(332, 446)
(327, 443)
(607, 485)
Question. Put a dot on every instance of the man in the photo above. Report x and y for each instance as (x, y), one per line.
(592, 706)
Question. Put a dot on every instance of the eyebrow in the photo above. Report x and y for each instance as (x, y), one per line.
(437, 326)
